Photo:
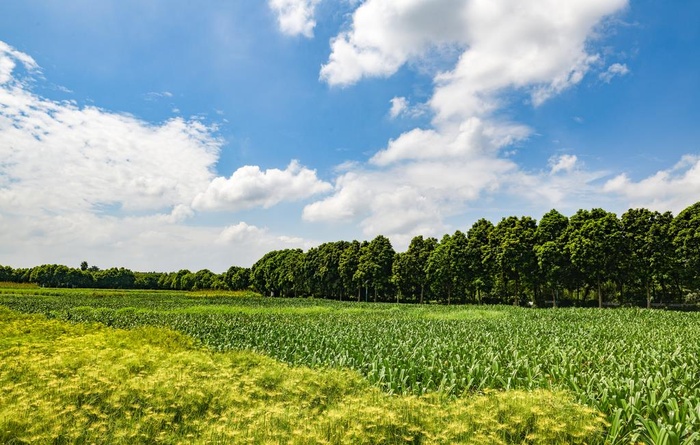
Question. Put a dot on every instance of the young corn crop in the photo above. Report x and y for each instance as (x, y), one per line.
(640, 368)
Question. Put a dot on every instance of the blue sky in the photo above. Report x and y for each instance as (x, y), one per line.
(172, 134)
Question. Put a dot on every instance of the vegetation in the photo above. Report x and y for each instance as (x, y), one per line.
(637, 367)
(643, 258)
(66, 383)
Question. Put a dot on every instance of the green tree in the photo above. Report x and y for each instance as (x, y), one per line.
(448, 267)
(347, 268)
(477, 257)
(550, 250)
(686, 241)
(649, 247)
(237, 278)
(512, 250)
(321, 269)
(409, 271)
(375, 264)
(595, 245)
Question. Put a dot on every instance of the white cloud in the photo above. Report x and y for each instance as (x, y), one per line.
(8, 61)
(250, 187)
(426, 175)
(155, 95)
(144, 243)
(563, 163)
(398, 106)
(614, 70)
(83, 183)
(539, 45)
(385, 34)
(473, 137)
(673, 189)
(295, 17)
(409, 197)
(87, 158)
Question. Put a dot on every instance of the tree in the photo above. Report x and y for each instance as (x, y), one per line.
(409, 271)
(512, 251)
(237, 278)
(278, 272)
(203, 279)
(550, 250)
(448, 268)
(321, 268)
(649, 245)
(84, 266)
(375, 264)
(686, 241)
(477, 257)
(595, 244)
(347, 267)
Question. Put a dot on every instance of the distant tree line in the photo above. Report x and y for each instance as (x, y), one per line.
(592, 258)
(56, 275)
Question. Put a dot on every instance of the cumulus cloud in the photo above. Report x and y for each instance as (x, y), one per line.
(672, 189)
(398, 106)
(84, 183)
(563, 163)
(614, 70)
(8, 61)
(422, 177)
(410, 197)
(473, 137)
(64, 158)
(537, 45)
(250, 187)
(295, 17)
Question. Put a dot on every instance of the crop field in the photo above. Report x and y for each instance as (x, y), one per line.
(639, 368)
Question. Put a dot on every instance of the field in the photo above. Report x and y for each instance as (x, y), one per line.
(427, 370)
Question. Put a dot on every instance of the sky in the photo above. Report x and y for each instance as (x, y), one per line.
(170, 134)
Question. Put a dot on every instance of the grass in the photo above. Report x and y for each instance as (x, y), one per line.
(85, 383)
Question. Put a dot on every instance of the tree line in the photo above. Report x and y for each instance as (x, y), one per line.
(56, 275)
(592, 258)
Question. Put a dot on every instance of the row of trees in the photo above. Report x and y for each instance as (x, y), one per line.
(56, 275)
(641, 258)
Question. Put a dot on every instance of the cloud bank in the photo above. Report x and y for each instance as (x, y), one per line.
(84, 182)
(426, 175)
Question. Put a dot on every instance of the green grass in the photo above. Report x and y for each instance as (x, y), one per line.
(84, 383)
(640, 368)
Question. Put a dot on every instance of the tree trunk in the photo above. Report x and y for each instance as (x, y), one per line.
(422, 287)
(600, 296)
(648, 296)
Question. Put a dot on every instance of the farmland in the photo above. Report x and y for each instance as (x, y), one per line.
(639, 368)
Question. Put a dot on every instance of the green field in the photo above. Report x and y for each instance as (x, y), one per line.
(639, 368)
